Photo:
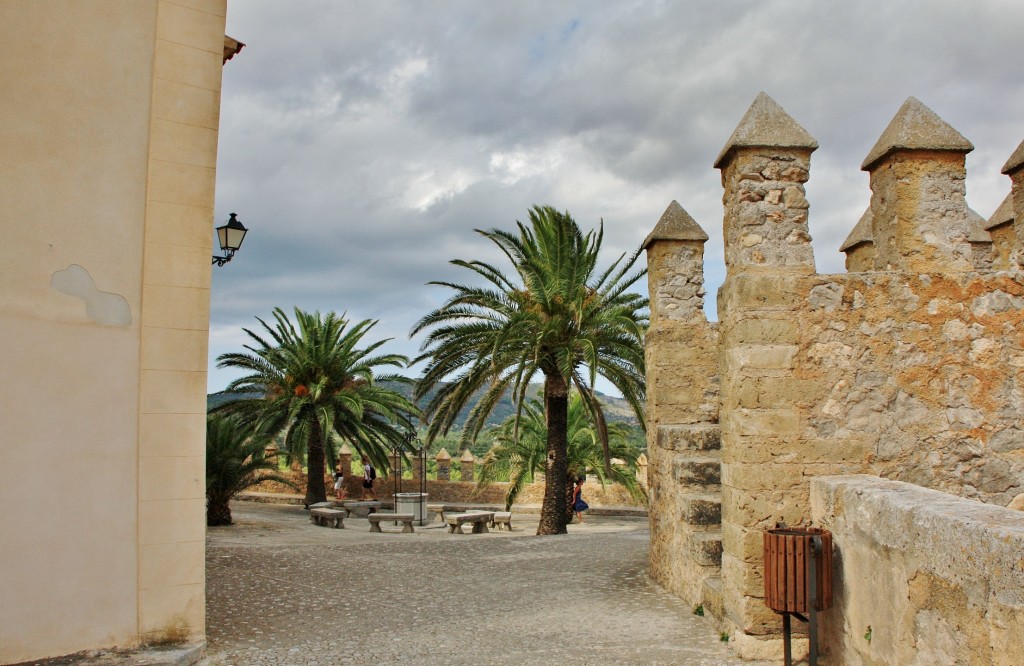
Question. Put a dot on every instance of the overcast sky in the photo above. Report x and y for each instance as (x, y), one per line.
(362, 141)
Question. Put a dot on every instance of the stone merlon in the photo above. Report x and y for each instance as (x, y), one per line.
(675, 224)
(916, 127)
(766, 125)
(1016, 160)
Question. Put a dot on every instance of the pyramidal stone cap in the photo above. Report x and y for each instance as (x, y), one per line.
(861, 233)
(916, 127)
(766, 125)
(977, 233)
(675, 224)
(1016, 160)
(1003, 214)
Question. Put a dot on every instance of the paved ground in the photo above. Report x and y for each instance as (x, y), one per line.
(282, 591)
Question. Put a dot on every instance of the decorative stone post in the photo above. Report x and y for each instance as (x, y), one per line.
(764, 167)
(770, 263)
(417, 466)
(682, 408)
(641, 469)
(919, 214)
(345, 458)
(468, 462)
(444, 465)
(396, 464)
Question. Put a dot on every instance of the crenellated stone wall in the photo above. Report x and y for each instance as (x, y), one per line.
(910, 368)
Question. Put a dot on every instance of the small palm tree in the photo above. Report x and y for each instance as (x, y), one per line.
(560, 317)
(313, 381)
(519, 452)
(235, 460)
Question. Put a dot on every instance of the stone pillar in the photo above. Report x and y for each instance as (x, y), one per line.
(1014, 168)
(396, 464)
(468, 462)
(444, 465)
(417, 466)
(345, 458)
(682, 407)
(919, 213)
(764, 167)
(641, 469)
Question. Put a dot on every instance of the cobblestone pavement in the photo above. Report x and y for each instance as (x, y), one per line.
(282, 591)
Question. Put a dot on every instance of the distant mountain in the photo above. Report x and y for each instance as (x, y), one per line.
(616, 409)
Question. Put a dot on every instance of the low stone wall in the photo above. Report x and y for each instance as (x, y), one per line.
(458, 492)
(922, 577)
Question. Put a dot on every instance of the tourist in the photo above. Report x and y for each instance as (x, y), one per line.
(578, 505)
(369, 474)
(339, 482)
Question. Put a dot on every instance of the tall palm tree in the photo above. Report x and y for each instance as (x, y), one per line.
(561, 318)
(519, 451)
(313, 381)
(235, 460)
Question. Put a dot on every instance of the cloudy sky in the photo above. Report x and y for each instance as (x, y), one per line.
(363, 141)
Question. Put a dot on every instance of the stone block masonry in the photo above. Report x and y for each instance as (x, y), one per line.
(908, 368)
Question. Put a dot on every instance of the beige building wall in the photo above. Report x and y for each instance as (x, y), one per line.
(108, 132)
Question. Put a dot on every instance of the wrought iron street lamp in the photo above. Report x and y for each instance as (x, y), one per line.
(230, 237)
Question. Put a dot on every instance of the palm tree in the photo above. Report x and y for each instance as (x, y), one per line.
(235, 460)
(561, 319)
(315, 383)
(519, 451)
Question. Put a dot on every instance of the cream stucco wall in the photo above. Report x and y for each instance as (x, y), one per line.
(108, 133)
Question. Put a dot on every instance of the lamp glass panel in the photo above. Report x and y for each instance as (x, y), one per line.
(234, 236)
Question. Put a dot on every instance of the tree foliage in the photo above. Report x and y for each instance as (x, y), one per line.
(555, 315)
(520, 451)
(314, 381)
(235, 460)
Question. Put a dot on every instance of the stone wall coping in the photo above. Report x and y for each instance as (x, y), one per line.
(916, 127)
(766, 125)
(940, 530)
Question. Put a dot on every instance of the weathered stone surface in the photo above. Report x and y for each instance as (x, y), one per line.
(697, 471)
(702, 437)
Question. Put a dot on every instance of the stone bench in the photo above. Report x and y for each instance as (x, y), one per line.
(321, 505)
(327, 517)
(360, 508)
(479, 519)
(502, 518)
(405, 518)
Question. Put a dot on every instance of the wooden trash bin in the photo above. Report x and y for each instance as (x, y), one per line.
(786, 570)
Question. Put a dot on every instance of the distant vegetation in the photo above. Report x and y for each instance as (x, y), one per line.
(616, 409)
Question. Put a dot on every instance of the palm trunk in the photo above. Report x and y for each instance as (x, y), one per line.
(217, 510)
(315, 490)
(556, 408)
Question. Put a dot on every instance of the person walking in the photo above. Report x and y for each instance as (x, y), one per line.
(369, 474)
(578, 505)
